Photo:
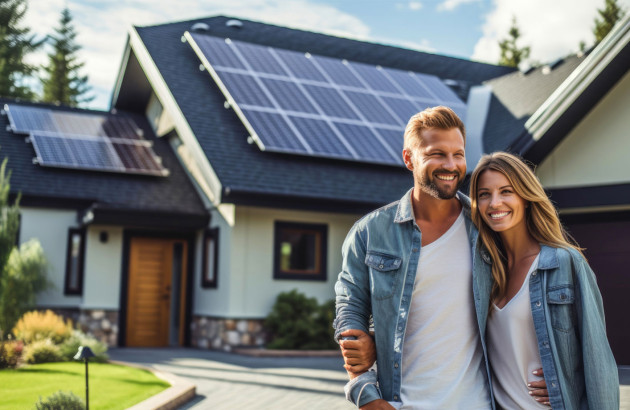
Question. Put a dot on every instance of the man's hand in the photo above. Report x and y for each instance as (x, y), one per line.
(358, 355)
(379, 404)
(539, 389)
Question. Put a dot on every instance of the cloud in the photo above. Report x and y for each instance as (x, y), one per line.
(450, 5)
(552, 29)
(102, 27)
(415, 5)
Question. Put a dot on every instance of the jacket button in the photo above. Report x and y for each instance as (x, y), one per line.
(396, 365)
(563, 296)
(534, 273)
(380, 266)
(395, 397)
(538, 304)
(415, 249)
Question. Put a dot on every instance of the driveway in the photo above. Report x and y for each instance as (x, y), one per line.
(232, 381)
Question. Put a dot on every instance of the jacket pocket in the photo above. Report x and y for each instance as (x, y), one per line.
(560, 300)
(384, 270)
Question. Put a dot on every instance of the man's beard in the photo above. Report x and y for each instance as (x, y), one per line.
(429, 186)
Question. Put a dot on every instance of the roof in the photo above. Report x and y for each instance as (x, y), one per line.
(104, 194)
(249, 175)
(516, 96)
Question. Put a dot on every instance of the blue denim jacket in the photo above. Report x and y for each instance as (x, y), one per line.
(579, 366)
(380, 258)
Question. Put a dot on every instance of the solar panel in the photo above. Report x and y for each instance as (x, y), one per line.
(96, 153)
(313, 105)
(80, 140)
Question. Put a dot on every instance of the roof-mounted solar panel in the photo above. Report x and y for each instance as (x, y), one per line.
(313, 105)
(77, 140)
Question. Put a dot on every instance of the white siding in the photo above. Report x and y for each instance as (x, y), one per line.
(50, 227)
(596, 151)
(102, 269)
(246, 285)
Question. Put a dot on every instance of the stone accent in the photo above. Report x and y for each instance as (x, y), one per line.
(100, 323)
(227, 334)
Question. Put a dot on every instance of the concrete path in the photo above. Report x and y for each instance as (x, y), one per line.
(231, 381)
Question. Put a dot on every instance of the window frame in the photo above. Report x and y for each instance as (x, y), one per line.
(210, 281)
(321, 274)
(67, 290)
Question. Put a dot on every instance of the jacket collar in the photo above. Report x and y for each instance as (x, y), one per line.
(548, 257)
(404, 211)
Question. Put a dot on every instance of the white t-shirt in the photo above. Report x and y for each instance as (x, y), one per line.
(442, 359)
(513, 350)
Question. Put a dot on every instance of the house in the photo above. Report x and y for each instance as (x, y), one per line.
(570, 118)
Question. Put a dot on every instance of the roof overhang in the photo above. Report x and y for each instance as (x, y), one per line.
(141, 218)
(577, 95)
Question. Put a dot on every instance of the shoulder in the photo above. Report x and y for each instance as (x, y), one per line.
(382, 214)
(569, 257)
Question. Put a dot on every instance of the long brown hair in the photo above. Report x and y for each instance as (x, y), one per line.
(541, 217)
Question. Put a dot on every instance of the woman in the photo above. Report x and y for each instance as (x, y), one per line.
(546, 310)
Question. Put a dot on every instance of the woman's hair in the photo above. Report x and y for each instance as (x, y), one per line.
(541, 216)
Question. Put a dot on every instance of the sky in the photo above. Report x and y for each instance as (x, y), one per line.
(467, 29)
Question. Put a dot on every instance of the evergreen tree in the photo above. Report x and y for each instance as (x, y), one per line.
(63, 83)
(511, 54)
(15, 43)
(611, 13)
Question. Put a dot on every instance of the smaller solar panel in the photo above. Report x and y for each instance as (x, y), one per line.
(96, 153)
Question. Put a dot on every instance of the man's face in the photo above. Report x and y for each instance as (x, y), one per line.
(438, 164)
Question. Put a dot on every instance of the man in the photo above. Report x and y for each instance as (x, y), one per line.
(420, 301)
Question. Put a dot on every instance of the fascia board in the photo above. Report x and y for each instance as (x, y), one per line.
(121, 74)
(579, 80)
(207, 178)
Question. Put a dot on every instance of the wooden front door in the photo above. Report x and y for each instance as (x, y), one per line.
(156, 292)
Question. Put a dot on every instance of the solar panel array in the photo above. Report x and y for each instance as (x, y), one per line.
(85, 141)
(318, 106)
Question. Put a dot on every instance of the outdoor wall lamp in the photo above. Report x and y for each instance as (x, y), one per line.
(85, 353)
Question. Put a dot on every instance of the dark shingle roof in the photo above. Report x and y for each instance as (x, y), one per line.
(244, 168)
(516, 96)
(39, 185)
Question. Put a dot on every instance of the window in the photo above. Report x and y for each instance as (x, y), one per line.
(300, 251)
(210, 264)
(74, 262)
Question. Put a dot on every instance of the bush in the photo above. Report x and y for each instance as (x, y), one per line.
(299, 322)
(42, 351)
(10, 353)
(60, 401)
(70, 347)
(34, 326)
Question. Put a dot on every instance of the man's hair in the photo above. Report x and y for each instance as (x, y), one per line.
(440, 117)
(541, 217)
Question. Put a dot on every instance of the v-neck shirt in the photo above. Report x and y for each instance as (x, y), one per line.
(513, 349)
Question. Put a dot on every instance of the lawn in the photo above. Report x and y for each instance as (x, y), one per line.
(111, 386)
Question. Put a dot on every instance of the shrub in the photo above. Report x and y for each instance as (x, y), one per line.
(34, 326)
(42, 351)
(60, 401)
(10, 353)
(70, 347)
(299, 322)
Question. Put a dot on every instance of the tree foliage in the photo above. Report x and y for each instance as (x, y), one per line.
(63, 82)
(23, 270)
(511, 54)
(608, 17)
(15, 43)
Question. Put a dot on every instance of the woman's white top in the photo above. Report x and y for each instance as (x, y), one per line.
(513, 350)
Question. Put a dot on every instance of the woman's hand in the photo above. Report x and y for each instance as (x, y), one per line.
(539, 388)
(359, 354)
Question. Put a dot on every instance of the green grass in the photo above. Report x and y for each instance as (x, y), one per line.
(111, 386)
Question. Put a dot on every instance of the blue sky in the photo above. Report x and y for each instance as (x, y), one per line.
(461, 28)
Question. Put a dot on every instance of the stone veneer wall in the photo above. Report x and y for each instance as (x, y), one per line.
(225, 334)
(102, 324)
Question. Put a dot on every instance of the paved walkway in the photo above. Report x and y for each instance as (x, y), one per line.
(230, 381)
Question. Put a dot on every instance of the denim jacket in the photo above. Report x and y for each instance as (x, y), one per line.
(566, 305)
(380, 258)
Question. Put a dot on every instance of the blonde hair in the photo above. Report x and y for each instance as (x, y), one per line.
(439, 117)
(541, 217)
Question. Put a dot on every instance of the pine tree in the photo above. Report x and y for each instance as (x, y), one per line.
(611, 13)
(15, 43)
(63, 83)
(511, 54)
